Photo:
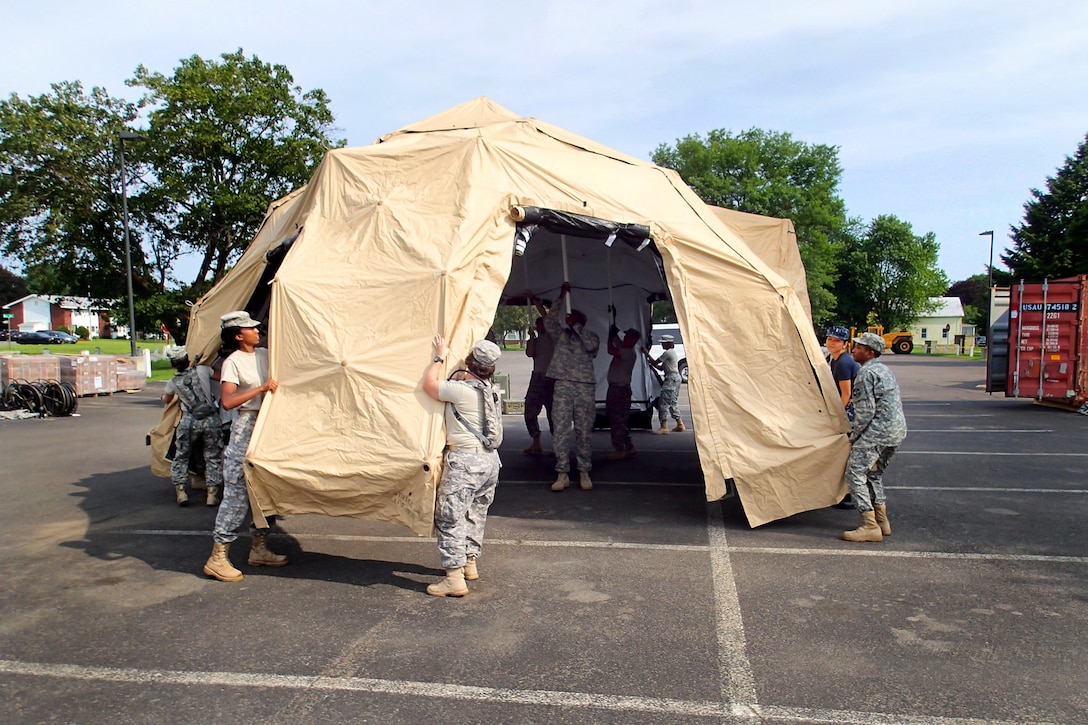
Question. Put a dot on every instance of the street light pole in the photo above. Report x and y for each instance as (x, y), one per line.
(128, 136)
(989, 282)
(990, 269)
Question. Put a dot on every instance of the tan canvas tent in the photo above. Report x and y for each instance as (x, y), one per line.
(416, 234)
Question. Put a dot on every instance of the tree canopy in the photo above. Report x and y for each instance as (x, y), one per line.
(888, 275)
(769, 173)
(225, 138)
(1052, 241)
(60, 196)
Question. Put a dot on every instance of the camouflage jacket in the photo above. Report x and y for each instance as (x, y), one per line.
(878, 409)
(574, 349)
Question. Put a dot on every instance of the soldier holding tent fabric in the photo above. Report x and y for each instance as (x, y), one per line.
(574, 407)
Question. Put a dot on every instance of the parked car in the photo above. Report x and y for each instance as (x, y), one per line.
(980, 340)
(37, 337)
(678, 341)
(62, 338)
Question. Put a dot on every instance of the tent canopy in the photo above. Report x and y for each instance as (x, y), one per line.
(416, 234)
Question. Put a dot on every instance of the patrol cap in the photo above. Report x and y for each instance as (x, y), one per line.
(486, 352)
(870, 339)
(176, 352)
(667, 338)
(239, 318)
(838, 331)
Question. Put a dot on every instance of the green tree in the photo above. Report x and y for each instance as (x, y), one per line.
(226, 139)
(889, 275)
(60, 195)
(510, 318)
(12, 287)
(975, 296)
(769, 173)
(1052, 241)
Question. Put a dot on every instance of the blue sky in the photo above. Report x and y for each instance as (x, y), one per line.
(946, 114)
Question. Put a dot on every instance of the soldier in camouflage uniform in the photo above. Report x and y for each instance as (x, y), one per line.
(191, 428)
(470, 473)
(574, 407)
(244, 382)
(541, 390)
(878, 429)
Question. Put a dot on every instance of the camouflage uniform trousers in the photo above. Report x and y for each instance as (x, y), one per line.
(574, 410)
(467, 490)
(669, 404)
(539, 394)
(865, 472)
(235, 505)
(189, 431)
(618, 406)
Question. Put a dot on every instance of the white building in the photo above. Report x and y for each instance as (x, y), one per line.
(49, 312)
(939, 330)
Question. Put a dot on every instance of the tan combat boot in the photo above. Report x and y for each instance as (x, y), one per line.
(534, 449)
(561, 482)
(631, 449)
(680, 427)
(452, 586)
(868, 531)
(663, 430)
(179, 493)
(261, 555)
(584, 481)
(471, 572)
(213, 496)
(218, 565)
(881, 512)
(617, 455)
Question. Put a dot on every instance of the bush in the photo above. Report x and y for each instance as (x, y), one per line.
(82, 333)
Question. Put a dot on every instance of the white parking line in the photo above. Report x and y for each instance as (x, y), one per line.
(1037, 454)
(891, 554)
(431, 690)
(984, 489)
(980, 430)
(734, 669)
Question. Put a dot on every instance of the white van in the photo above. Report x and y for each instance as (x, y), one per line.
(670, 328)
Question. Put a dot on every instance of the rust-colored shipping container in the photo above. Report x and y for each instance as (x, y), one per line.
(89, 374)
(1047, 343)
(28, 368)
(129, 375)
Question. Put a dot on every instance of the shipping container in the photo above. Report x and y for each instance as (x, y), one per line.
(1038, 342)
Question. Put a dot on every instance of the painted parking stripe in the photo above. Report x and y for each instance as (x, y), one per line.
(430, 690)
(892, 554)
(984, 489)
(734, 669)
(988, 454)
(980, 430)
(713, 546)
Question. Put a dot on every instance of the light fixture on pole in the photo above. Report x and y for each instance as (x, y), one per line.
(128, 136)
(989, 280)
(990, 269)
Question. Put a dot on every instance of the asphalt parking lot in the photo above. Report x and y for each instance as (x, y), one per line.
(636, 602)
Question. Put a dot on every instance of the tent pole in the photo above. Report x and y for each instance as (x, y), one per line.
(608, 262)
(566, 270)
(528, 298)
